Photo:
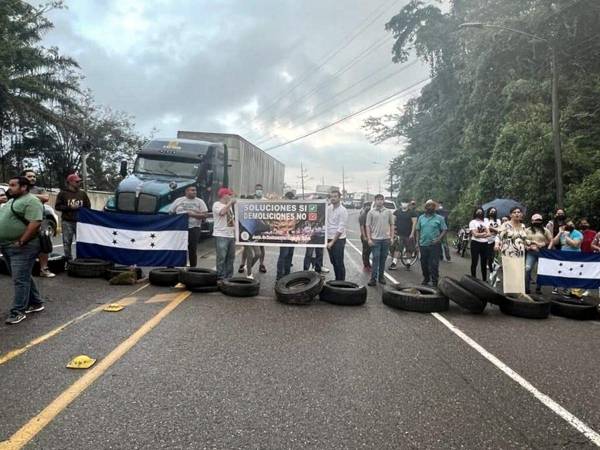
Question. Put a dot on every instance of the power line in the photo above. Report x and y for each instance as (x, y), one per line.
(349, 116)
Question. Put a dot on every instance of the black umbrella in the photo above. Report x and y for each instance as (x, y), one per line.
(503, 206)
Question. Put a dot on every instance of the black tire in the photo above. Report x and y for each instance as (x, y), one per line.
(482, 290)
(88, 267)
(240, 287)
(344, 293)
(195, 277)
(117, 270)
(572, 308)
(56, 264)
(204, 289)
(298, 288)
(461, 296)
(427, 300)
(167, 277)
(518, 307)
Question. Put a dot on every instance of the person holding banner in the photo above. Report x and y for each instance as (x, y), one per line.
(337, 218)
(286, 254)
(538, 238)
(224, 232)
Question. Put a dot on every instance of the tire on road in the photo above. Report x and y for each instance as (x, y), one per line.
(196, 277)
(343, 293)
(482, 290)
(298, 288)
(240, 287)
(461, 296)
(572, 308)
(117, 270)
(520, 307)
(426, 300)
(165, 277)
(88, 267)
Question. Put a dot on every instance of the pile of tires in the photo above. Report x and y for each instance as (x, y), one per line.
(414, 298)
(463, 297)
(88, 267)
(298, 288)
(198, 280)
(343, 293)
(240, 287)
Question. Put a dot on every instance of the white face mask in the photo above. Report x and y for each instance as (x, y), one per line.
(259, 193)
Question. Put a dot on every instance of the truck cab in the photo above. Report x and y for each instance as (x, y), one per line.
(163, 169)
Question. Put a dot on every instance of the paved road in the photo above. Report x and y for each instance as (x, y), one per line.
(217, 372)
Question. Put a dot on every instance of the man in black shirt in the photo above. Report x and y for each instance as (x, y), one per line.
(406, 220)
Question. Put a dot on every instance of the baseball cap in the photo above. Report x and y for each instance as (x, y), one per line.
(536, 217)
(224, 191)
(73, 177)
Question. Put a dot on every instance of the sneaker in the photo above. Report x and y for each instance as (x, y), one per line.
(372, 283)
(35, 308)
(46, 273)
(250, 276)
(242, 268)
(424, 283)
(382, 281)
(393, 266)
(324, 270)
(15, 318)
(262, 268)
(555, 291)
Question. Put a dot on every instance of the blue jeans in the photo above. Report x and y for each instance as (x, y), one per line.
(336, 256)
(225, 248)
(316, 261)
(69, 231)
(20, 261)
(531, 260)
(284, 262)
(380, 250)
(430, 262)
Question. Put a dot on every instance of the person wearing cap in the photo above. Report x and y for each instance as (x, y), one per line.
(69, 201)
(224, 232)
(537, 238)
(430, 230)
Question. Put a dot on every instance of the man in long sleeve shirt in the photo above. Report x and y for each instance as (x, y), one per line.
(337, 218)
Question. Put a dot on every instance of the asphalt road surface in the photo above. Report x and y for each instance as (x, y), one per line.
(207, 371)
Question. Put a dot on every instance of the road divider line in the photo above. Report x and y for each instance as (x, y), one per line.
(28, 431)
(555, 407)
(14, 353)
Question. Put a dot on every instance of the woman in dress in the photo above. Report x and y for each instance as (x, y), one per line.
(511, 242)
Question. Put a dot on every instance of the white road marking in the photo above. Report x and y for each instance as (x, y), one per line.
(555, 407)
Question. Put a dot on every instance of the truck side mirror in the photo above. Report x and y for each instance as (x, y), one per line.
(123, 171)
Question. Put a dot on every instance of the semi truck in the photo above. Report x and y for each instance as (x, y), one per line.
(164, 168)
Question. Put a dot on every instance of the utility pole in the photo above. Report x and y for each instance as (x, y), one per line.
(303, 177)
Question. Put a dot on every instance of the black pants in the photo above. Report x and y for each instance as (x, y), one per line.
(490, 256)
(336, 256)
(193, 238)
(479, 253)
(366, 252)
(313, 257)
(430, 262)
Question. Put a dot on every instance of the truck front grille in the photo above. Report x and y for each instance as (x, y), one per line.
(147, 203)
(126, 201)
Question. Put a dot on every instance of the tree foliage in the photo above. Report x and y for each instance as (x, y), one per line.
(482, 127)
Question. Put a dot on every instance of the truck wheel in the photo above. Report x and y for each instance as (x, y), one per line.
(414, 298)
(195, 277)
(167, 277)
(88, 267)
(461, 296)
(110, 273)
(518, 306)
(572, 308)
(482, 290)
(344, 293)
(240, 287)
(298, 288)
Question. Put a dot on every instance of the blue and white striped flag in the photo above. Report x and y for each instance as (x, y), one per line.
(132, 239)
(569, 269)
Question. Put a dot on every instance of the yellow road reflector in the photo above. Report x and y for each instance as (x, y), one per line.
(113, 307)
(81, 362)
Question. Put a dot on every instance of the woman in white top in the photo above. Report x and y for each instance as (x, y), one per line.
(479, 243)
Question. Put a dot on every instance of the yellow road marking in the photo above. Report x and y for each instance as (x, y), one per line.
(14, 353)
(28, 431)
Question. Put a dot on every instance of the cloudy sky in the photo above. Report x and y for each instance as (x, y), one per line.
(269, 70)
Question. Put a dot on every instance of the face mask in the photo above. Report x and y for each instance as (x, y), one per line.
(259, 193)
(479, 215)
(584, 227)
(560, 217)
(569, 228)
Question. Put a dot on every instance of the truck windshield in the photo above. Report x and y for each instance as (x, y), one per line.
(184, 168)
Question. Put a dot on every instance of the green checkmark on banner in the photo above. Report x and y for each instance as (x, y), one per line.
(312, 208)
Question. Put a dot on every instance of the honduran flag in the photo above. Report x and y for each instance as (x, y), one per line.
(569, 269)
(133, 239)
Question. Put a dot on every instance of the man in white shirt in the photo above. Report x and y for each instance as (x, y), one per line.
(197, 211)
(224, 232)
(337, 218)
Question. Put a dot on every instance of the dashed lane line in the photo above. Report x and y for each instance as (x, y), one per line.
(28, 431)
(554, 406)
(14, 353)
